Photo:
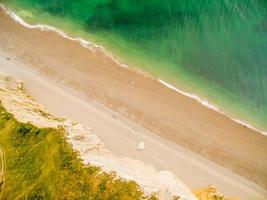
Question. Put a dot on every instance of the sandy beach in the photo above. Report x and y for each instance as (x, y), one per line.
(145, 105)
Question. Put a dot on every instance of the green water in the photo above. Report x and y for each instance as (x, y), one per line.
(214, 48)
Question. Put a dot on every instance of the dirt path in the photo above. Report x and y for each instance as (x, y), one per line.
(2, 169)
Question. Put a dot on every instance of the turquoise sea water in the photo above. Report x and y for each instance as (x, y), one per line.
(214, 48)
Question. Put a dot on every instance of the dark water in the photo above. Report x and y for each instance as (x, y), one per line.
(218, 47)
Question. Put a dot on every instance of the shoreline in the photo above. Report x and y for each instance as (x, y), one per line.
(193, 170)
(177, 118)
(87, 44)
(212, 107)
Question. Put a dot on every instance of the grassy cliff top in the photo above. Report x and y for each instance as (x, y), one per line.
(40, 164)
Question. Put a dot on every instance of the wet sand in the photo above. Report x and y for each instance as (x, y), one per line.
(139, 99)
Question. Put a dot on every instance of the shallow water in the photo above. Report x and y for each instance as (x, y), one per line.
(218, 49)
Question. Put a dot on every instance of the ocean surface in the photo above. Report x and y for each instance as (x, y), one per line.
(216, 49)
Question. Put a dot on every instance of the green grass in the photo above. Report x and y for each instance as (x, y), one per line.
(40, 164)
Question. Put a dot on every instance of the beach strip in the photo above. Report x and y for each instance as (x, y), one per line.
(139, 98)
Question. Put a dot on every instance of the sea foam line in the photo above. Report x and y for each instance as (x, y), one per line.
(44, 27)
(89, 45)
(210, 106)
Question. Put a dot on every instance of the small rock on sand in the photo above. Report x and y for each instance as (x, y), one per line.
(141, 146)
(20, 85)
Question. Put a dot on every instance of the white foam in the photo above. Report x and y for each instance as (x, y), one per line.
(91, 46)
(211, 106)
(43, 27)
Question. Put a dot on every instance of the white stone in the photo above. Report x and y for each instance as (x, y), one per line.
(141, 146)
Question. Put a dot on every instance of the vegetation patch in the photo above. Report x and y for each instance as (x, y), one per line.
(211, 193)
(40, 164)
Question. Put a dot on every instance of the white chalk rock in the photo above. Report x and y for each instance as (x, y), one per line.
(141, 146)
